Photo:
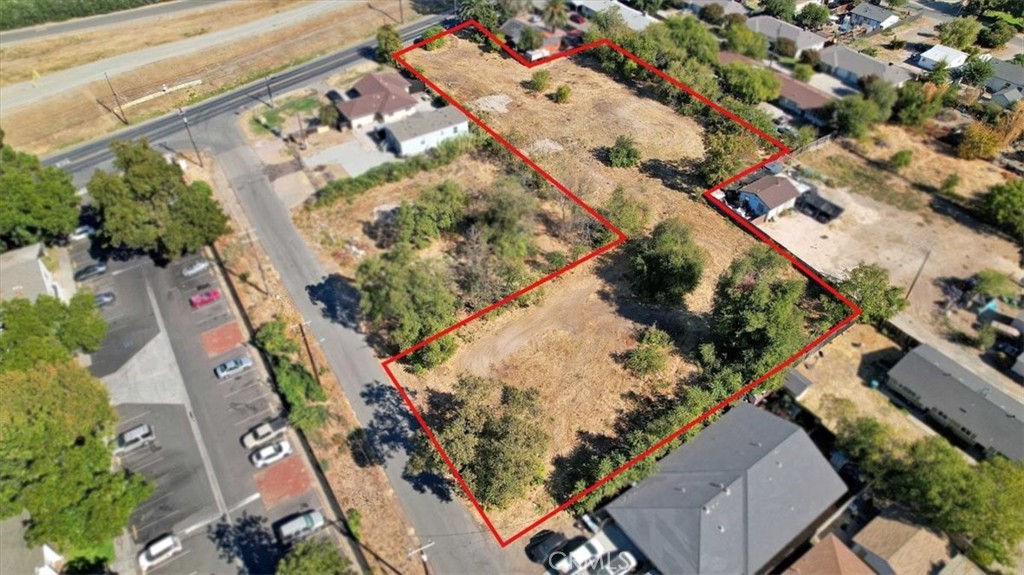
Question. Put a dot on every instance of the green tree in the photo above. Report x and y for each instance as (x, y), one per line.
(939, 74)
(492, 437)
(713, 14)
(629, 215)
(785, 47)
(993, 283)
(1018, 59)
(882, 93)
(408, 300)
(781, 9)
(868, 286)
(917, 102)
(540, 81)
(667, 264)
(329, 115)
(555, 14)
(147, 205)
(624, 154)
(977, 71)
(960, 32)
(438, 210)
(480, 10)
(901, 159)
(651, 356)
(436, 44)
(979, 141)
(689, 38)
(750, 85)
(272, 337)
(389, 41)
(562, 94)
(510, 8)
(743, 40)
(726, 154)
(314, 557)
(756, 318)
(55, 462)
(529, 39)
(39, 204)
(854, 115)
(872, 445)
(813, 16)
(803, 72)
(997, 35)
(1003, 206)
(697, 75)
(996, 526)
(48, 330)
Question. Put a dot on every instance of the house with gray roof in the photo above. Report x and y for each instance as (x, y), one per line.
(1005, 75)
(633, 18)
(425, 130)
(851, 66)
(961, 401)
(736, 499)
(773, 29)
(872, 17)
(24, 275)
(728, 6)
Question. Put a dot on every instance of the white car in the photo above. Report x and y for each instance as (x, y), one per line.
(195, 268)
(82, 232)
(232, 367)
(159, 551)
(264, 432)
(578, 559)
(271, 454)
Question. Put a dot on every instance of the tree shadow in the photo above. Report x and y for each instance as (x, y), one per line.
(432, 483)
(431, 6)
(337, 299)
(392, 427)
(676, 176)
(249, 539)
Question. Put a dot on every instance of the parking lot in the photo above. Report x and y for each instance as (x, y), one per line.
(158, 360)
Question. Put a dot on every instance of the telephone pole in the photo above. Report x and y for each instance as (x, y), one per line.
(423, 556)
(188, 129)
(116, 99)
(270, 95)
(918, 274)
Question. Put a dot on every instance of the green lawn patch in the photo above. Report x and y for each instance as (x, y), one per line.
(274, 118)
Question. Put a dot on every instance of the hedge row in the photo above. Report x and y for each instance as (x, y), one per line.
(22, 13)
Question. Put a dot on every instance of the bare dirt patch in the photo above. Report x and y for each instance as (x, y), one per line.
(283, 481)
(223, 339)
(85, 113)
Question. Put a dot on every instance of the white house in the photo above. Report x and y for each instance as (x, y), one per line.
(25, 276)
(872, 17)
(634, 18)
(929, 60)
(381, 98)
(425, 130)
(1005, 75)
(769, 197)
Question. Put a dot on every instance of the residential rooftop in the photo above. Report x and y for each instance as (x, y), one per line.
(422, 123)
(774, 29)
(830, 556)
(839, 56)
(897, 538)
(873, 12)
(774, 191)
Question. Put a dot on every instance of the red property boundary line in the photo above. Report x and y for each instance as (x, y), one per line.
(620, 238)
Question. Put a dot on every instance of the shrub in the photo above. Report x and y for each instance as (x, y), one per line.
(897, 44)
(439, 43)
(540, 81)
(624, 154)
(562, 94)
(949, 185)
(651, 356)
(901, 159)
(803, 72)
(785, 47)
(713, 14)
(810, 57)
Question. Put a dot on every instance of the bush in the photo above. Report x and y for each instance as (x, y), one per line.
(785, 47)
(562, 94)
(540, 81)
(667, 264)
(803, 72)
(624, 154)
(713, 14)
(651, 356)
(897, 44)
(1003, 207)
(811, 58)
(901, 159)
(949, 185)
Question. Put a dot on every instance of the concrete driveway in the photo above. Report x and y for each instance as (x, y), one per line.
(356, 157)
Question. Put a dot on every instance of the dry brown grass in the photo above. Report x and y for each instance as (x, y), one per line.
(75, 49)
(385, 530)
(78, 116)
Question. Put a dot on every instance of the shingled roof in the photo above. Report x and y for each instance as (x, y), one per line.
(773, 190)
(843, 58)
(774, 29)
(897, 538)
(829, 557)
(379, 94)
(731, 499)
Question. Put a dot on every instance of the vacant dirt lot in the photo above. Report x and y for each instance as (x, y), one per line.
(70, 50)
(83, 114)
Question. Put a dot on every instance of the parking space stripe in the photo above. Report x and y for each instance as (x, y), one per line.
(147, 464)
(244, 502)
(249, 419)
(125, 422)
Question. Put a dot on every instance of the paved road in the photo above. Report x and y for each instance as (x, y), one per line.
(28, 92)
(82, 160)
(154, 11)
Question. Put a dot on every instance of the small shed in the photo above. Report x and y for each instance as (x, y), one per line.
(930, 59)
(425, 130)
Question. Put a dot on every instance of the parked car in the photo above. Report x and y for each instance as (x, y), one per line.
(615, 563)
(576, 558)
(271, 454)
(543, 544)
(264, 432)
(91, 271)
(134, 438)
(577, 18)
(104, 299)
(232, 367)
(299, 526)
(195, 268)
(159, 551)
(205, 298)
(82, 232)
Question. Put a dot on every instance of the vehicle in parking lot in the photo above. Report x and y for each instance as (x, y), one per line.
(82, 232)
(576, 558)
(205, 298)
(159, 551)
(232, 367)
(195, 268)
(577, 18)
(91, 271)
(299, 526)
(264, 432)
(615, 563)
(134, 438)
(543, 544)
(271, 454)
(104, 299)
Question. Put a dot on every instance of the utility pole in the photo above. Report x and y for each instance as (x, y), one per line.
(116, 99)
(188, 129)
(918, 274)
(270, 95)
(309, 350)
(302, 132)
(423, 556)
(401, 11)
(259, 262)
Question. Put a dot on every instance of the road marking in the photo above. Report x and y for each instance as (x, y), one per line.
(246, 387)
(261, 413)
(197, 526)
(150, 502)
(126, 269)
(244, 502)
(148, 463)
(125, 421)
(173, 559)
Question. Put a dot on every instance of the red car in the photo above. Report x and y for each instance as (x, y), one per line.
(205, 298)
(577, 18)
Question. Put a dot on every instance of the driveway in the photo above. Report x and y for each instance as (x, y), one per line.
(356, 157)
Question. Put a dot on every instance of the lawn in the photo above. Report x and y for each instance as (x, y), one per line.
(267, 120)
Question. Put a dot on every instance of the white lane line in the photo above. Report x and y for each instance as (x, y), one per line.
(244, 502)
(261, 413)
(196, 527)
(133, 418)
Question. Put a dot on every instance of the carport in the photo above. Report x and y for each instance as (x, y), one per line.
(818, 207)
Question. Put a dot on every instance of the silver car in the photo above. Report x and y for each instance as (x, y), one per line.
(195, 268)
(271, 454)
(232, 367)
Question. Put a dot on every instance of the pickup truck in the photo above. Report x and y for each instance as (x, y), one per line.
(265, 432)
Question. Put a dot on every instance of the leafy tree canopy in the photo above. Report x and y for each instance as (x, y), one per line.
(751, 85)
(781, 9)
(918, 102)
(868, 286)
(667, 264)
(726, 154)
(39, 204)
(997, 35)
(48, 330)
(148, 206)
(743, 40)
(960, 32)
(439, 43)
(389, 41)
(854, 115)
(813, 16)
(314, 557)
(629, 215)
(1003, 206)
(977, 71)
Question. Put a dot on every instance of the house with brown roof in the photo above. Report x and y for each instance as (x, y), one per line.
(829, 556)
(380, 98)
(768, 197)
(894, 543)
(796, 97)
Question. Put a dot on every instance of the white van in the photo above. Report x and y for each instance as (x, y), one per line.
(299, 526)
(134, 438)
